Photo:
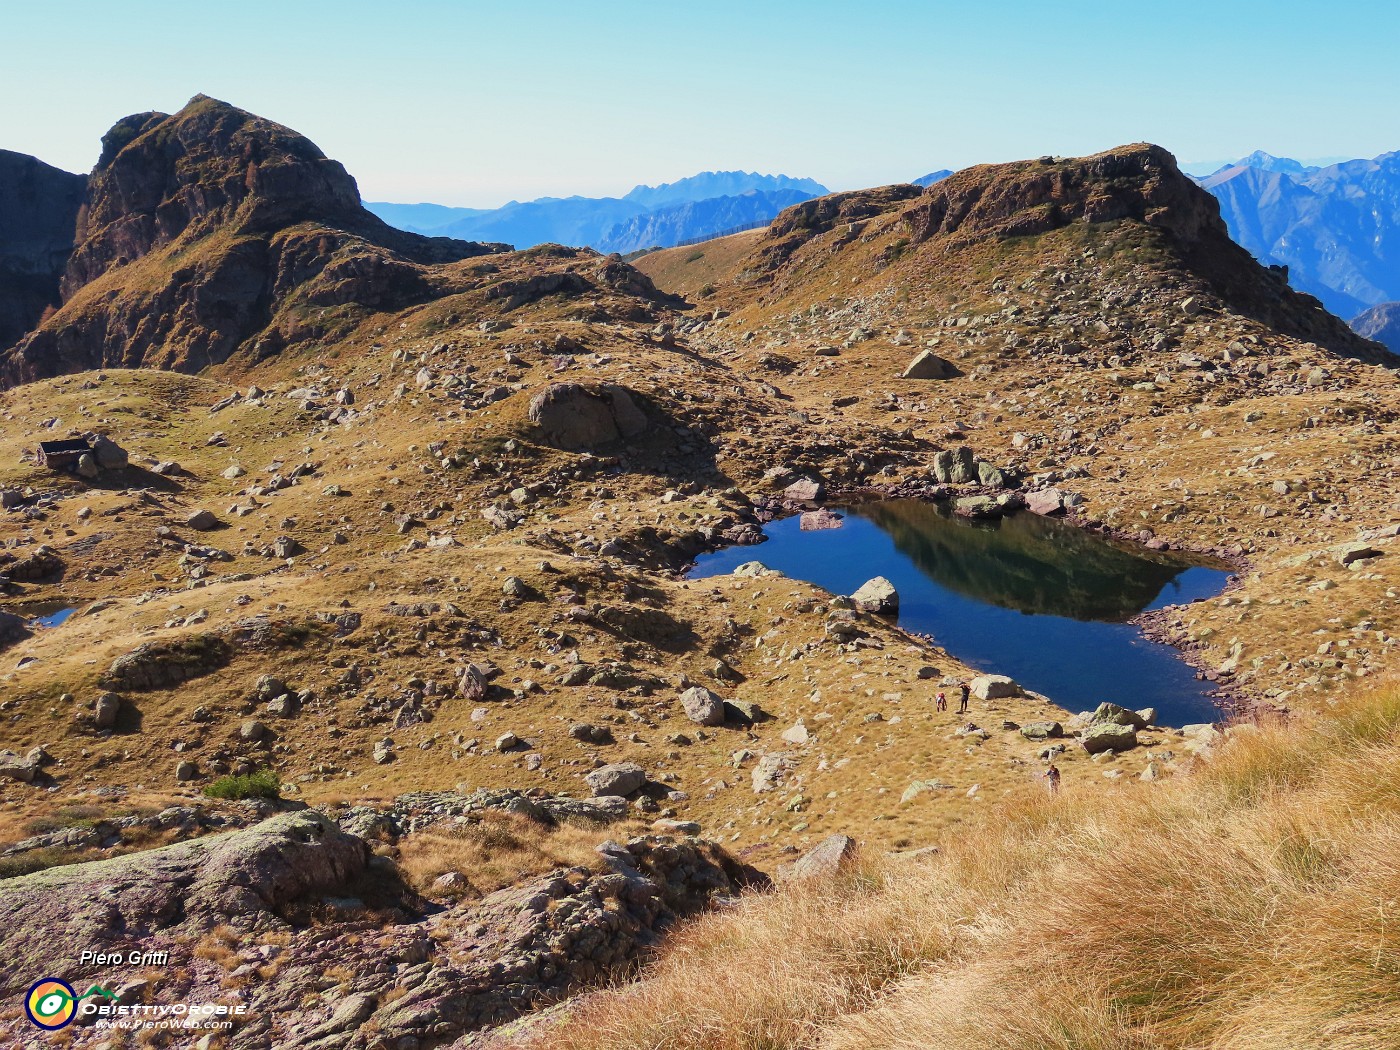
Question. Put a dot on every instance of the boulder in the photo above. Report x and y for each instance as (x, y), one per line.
(618, 778)
(796, 734)
(202, 520)
(928, 365)
(990, 475)
(601, 809)
(105, 710)
(994, 687)
(1046, 502)
(1114, 714)
(87, 466)
(17, 767)
(702, 706)
(110, 455)
(877, 596)
(805, 490)
(955, 466)
(770, 771)
(573, 416)
(744, 711)
(831, 855)
(1108, 736)
(1042, 730)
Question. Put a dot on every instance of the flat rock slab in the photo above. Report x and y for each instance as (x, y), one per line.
(245, 879)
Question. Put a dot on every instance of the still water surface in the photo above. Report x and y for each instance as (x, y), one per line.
(1030, 597)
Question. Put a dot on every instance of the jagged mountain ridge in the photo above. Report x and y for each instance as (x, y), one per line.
(1337, 228)
(1381, 323)
(212, 230)
(644, 217)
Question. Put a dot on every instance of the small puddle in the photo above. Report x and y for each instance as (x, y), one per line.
(1037, 599)
(44, 614)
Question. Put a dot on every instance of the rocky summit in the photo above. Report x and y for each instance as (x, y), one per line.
(212, 231)
(349, 654)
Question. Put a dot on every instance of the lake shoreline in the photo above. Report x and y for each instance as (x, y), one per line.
(1233, 701)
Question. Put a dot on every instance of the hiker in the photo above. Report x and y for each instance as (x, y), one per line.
(963, 691)
(1052, 778)
(941, 704)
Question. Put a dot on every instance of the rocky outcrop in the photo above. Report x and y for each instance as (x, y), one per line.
(160, 665)
(200, 230)
(527, 946)
(407, 973)
(1013, 200)
(38, 213)
(247, 879)
(573, 416)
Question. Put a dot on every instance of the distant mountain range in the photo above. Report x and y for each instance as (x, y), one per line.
(1336, 228)
(648, 216)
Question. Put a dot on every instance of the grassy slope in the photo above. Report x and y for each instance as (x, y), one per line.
(1250, 904)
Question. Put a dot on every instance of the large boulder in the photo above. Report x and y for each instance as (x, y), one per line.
(618, 778)
(574, 416)
(994, 687)
(1108, 736)
(955, 466)
(805, 490)
(702, 706)
(877, 596)
(1115, 714)
(828, 857)
(928, 365)
(110, 455)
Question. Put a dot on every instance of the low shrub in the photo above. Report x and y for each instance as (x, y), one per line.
(261, 783)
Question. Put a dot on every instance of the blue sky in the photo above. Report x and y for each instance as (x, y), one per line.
(473, 103)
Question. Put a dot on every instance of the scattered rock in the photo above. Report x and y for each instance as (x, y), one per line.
(832, 855)
(877, 596)
(702, 706)
(619, 778)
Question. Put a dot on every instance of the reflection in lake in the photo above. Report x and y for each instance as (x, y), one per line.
(1030, 597)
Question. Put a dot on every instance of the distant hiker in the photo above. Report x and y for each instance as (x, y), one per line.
(1052, 778)
(942, 702)
(963, 691)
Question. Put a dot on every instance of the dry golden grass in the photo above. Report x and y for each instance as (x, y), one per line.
(1250, 904)
(686, 271)
(499, 850)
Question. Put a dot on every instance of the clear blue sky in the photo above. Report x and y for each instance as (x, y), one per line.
(473, 103)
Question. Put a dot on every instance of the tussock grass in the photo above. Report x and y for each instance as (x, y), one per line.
(1253, 904)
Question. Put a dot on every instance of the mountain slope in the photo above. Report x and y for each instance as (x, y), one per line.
(1381, 323)
(211, 231)
(1336, 228)
(38, 212)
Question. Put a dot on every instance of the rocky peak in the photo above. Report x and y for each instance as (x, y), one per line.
(199, 231)
(210, 165)
(1139, 182)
